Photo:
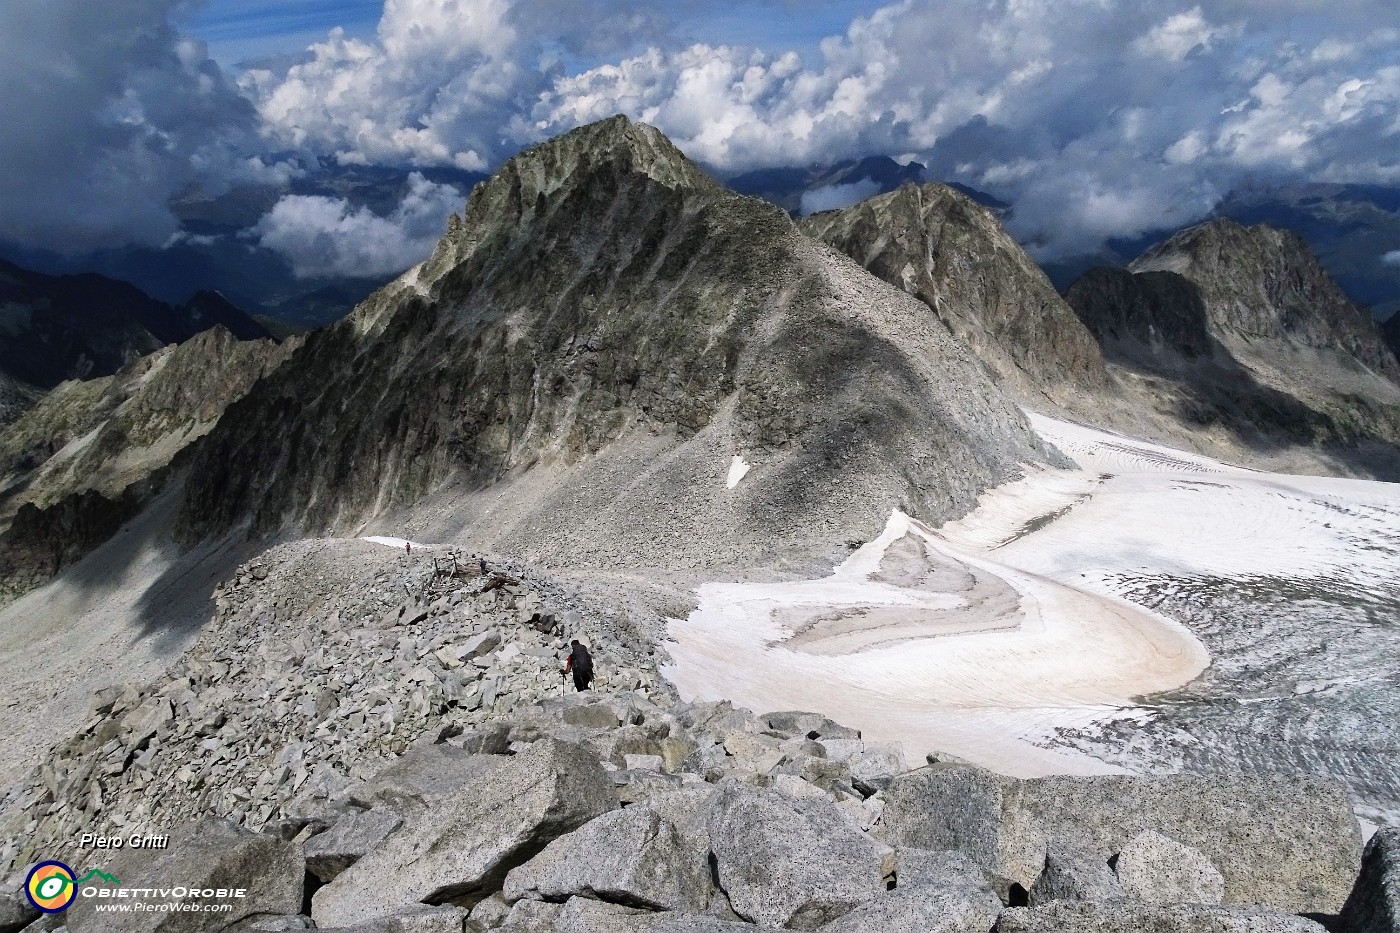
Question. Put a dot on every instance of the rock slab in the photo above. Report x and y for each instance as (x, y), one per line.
(460, 849)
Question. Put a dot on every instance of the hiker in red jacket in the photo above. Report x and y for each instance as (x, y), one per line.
(580, 664)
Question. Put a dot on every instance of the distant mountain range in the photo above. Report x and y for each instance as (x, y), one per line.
(1351, 228)
(85, 326)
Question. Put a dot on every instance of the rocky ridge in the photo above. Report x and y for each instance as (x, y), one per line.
(90, 455)
(376, 741)
(611, 324)
(1390, 330)
(15, 398)
(952, 254)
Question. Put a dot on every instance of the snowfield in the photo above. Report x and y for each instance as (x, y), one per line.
(1153, 610)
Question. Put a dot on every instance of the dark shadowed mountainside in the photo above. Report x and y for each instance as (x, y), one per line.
(85, 326)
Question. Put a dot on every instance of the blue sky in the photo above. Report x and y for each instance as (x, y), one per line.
(238, 31)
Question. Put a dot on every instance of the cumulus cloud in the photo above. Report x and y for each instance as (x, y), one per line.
(106, 112)
(326, 237)
(1392, 258)
(439, 79)
(835, 197)
(1095, 119)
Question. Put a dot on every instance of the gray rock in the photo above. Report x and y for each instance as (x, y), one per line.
(489, 914)
(1074, 871)
(634, 856)
(1129, 917)
(1157, 870)
(790, 863)
(531, 917)
(209, 854)
(799, 723)
(915, 867)
(1282, 841)
(926, 908)
(346, 842)
(423, 776)
(582, 915)
(15, 910)
(419, 919)
(1374, 904)
(462, 847)
(273, 924)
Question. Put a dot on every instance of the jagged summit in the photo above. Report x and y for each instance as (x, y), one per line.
(603, 153)
(951, 253)
(1263, 283)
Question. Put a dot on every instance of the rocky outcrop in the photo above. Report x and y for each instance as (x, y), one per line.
(15, 398)
(462, 849)
(1156, 870)
(952, 254)
(86, 326)
(605, 311)
(786, 862)
(1289, 843)
(91, 455)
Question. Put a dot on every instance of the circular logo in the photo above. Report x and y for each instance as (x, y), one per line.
(50, 887)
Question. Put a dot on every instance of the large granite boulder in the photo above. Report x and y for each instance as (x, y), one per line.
(423, 776)
(1283, 841)
(1074, 871)
(635, 856)
(1374, 904)
(584, 915)
(945, 867)
(16, 912)
(207, 856)
(421, 919)
(1157, 870)
(925, 908)
(789, 862)
(461, 849)
(347, 841)
(1133, 917)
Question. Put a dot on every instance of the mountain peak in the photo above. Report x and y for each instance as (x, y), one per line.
(1263, 283)
(602, 154)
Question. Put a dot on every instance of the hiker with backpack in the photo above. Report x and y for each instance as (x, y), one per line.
(580, 664)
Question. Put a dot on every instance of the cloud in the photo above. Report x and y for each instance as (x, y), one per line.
(438, 81)
(107, 112)
(326, 237)
(1392, 258)
(834, 197)
(1095, 119)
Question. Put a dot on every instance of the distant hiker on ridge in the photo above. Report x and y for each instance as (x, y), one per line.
(483, 566)
(580, 663)
(408, 548)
